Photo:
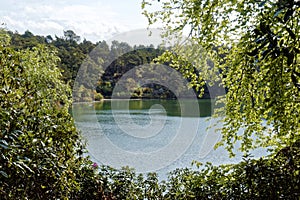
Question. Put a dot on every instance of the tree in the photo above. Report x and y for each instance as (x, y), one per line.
(49, 39)
(4, 38)
(256, 46)
(71, 36)
(27, 34)
(40, 146)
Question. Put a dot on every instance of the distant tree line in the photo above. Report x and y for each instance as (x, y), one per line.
(117, 57)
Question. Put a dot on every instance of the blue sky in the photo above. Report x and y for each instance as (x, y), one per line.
(91, 19)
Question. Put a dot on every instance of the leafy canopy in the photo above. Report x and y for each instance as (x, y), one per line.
(255, 45)
(40, 146)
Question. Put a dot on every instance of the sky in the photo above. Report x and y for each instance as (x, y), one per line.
(93, 20)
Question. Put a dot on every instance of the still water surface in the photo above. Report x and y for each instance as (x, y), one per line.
(151, 135)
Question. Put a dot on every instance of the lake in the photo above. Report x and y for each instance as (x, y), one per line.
(152, 135)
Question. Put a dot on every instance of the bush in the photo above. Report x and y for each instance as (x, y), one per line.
(266, 178)
(98, 96)
(40, 146)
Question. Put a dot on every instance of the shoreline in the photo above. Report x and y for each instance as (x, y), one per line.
(138, 99)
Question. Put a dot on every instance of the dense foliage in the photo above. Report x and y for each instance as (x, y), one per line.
(118, 58)
(276, 178)
(40, 145)
(255, 47)
(257, 56)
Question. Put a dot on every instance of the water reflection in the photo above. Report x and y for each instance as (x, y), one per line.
(172, 107)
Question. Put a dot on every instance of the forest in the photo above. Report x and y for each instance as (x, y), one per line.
(255, 48)
(72, 53)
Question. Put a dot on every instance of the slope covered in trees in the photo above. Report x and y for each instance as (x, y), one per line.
(117, 57)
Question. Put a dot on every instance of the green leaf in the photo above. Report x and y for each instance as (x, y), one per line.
(4, 174)
(4, 144)
(278, 12)
(262, 3)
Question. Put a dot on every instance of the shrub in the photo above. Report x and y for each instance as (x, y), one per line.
(40, 146)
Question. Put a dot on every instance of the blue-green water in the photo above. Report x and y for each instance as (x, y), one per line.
(151, 135)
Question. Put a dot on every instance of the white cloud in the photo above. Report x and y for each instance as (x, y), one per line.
(92, 20)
